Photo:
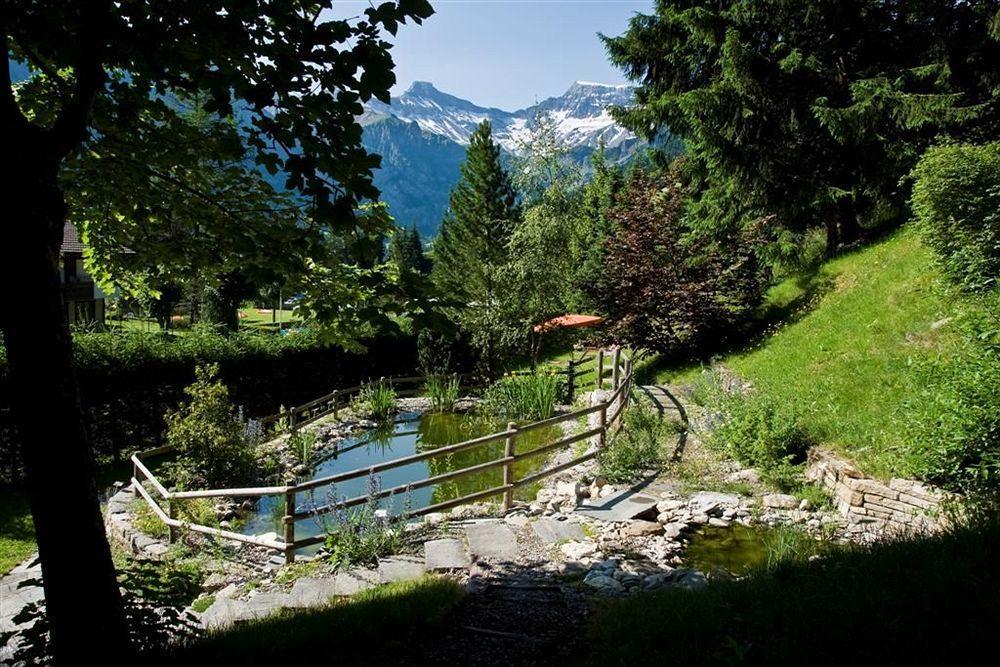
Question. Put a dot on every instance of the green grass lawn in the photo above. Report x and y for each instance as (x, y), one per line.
(928, 602)
(17, 535)
(843, 343)
(250, 318)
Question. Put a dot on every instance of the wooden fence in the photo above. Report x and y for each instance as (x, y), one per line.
(609, 422)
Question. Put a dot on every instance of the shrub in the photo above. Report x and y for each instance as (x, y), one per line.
(756, 431)
(956, 199)
(443, 392)
(377, 400)
(666, 289)
(952, 428)
(361, 535)
(211, 443)
(639, 446)
(524, 397)
(129, 379)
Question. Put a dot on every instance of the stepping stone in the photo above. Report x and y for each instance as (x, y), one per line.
(351, 583)
(313, 591)
(492, 540)
(265, 604)
(400, 568)
(551, 531)
(446, 554)
(225, 612)
(622, 506)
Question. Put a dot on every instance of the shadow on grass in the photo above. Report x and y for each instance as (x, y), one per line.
(17, 533)
(808, 287)
(928, 601)
(380, 626)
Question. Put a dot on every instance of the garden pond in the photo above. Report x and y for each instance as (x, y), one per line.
(739, 549)
(410, 433)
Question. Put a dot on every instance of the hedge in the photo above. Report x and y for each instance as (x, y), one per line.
(128, 380)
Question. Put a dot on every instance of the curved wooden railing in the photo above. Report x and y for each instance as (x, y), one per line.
(610, 420)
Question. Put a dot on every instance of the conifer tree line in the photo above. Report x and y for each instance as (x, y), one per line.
(801, 125)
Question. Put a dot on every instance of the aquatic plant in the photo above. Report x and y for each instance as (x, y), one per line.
(443, 392)
(528, 396)
(361, 535)
(377, 400)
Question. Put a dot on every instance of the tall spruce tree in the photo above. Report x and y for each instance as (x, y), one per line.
(807, 113)
(471, 250)
(406, 251)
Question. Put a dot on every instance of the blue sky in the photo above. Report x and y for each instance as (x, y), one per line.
(507, 53)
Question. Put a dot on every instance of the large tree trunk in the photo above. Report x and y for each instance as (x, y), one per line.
(83, 604)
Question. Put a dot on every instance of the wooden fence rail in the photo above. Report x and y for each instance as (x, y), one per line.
(610, 421)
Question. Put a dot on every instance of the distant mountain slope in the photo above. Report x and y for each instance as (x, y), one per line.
(422, 135)
(418, 170)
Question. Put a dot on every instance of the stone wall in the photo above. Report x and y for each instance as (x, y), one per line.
(904, 504)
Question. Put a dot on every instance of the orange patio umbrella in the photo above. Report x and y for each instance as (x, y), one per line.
(568, 321)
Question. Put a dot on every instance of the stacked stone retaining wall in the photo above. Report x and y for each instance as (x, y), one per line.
(902, 503)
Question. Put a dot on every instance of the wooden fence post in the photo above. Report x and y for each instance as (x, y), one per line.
(602, 438)
(600, 368)
(508, 468)
(615, 361)
(172, 513)
(334, 397)
(571, 379)
(289, 520)
(291, 418)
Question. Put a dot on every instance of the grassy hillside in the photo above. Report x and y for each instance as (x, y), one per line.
(845, 344)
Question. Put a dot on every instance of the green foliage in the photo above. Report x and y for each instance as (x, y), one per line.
(17, 534)
(757, 431)
(665, 290)
(845, 344)
(638, 447)
(524, 396)
(363, 534)
(209, 438)
(171, 582)
(804, 115)
(377, 400)
(956, 200)
(951, 428)
(406, 251)
(202, 604)
(301, 443)
(471, 251)
(443, 391)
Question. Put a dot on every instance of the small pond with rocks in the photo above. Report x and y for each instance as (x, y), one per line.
(738, 549)
(409, 433)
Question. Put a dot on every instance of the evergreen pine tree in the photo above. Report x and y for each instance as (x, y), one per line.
(472, 246)
(807, 113)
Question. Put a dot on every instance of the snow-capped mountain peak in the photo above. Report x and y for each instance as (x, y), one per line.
(581, 114)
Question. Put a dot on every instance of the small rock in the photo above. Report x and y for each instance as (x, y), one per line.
(700, 519)
(640, 528)
(780, 501)
(669, 505)
(673, 530)
(603, 583)
(718, 523)
(805, 505)
(578, 550)
(747, 476)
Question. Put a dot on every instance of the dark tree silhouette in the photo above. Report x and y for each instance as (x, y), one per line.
(297, 77)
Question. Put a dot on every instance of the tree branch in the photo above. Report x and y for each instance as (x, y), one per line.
(70, 128)
(13, 118)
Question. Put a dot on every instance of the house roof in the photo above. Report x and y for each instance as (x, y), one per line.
(569, 322)
(71, 242)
